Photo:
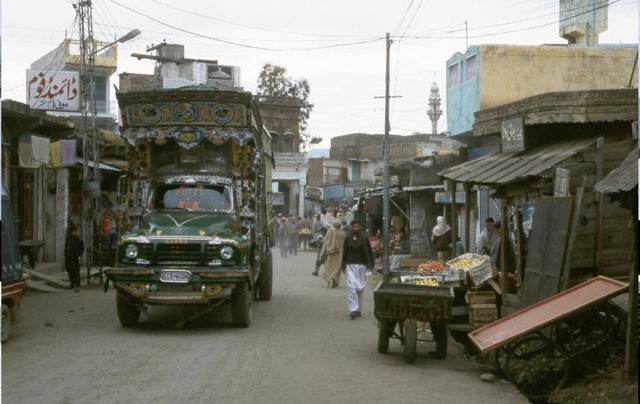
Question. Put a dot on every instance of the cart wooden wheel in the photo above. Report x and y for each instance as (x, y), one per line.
(588, 338)
(534, 364)
(439, 331)
(384, 333)
(410, 342)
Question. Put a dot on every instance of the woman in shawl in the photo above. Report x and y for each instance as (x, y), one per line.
(441, 239)
(331, 254)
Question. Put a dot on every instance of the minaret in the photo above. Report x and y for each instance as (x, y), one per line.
(434, 110)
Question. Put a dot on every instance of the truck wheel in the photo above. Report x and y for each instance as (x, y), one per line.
(128, 311)
(439, 331)
(265, 280)
(6, 322)
(410, 343)
(383, 336)
(241, 305)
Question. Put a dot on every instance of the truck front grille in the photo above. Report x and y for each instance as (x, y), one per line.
(187, 253)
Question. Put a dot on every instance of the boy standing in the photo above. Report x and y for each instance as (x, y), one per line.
(73, 249)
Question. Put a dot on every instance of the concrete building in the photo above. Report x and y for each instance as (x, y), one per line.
(486, 76)
(281, 116)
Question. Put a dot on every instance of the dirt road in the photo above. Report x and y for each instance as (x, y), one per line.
(300, 347)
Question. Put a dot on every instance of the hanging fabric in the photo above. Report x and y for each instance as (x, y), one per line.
(41, 149)
(25, 152)
(54, 156)
(68, 152)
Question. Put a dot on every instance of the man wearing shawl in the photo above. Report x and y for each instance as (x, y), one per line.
(357, 261)
(441, 238)
(488, 237)
(331, 254)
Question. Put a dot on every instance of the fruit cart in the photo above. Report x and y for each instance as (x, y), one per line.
(400, 306)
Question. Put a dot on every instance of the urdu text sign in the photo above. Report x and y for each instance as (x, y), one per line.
(53, 90)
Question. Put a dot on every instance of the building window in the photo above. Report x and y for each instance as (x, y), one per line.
(100, 84)
(454, 75)
(471, 67)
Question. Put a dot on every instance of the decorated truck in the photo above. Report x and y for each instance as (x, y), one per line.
(198, 189)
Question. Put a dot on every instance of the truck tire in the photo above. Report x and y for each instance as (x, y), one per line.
(265, 280)
(6, 322)
(410, 343)
(241, 305)
(128, 311)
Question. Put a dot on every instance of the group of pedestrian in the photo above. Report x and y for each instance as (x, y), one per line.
(285, 233)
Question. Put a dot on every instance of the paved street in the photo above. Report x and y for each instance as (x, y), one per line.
(301, 347)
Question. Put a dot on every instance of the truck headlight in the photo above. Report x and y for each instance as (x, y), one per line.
(132, 251)
(226, 253)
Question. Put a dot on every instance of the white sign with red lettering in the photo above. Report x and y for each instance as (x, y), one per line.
(53, 90)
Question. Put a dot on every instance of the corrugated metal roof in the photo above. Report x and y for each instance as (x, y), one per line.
(622, 179)
(502, 168)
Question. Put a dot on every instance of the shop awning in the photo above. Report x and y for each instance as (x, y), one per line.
(503, 168)
(623, 178)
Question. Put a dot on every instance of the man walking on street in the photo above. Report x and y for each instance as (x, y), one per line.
(357, 260)
(331, 254)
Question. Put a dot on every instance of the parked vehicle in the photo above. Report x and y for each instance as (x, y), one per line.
(200, 171)
(13, 284)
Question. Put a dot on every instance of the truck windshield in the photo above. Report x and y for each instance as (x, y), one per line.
(193, 197)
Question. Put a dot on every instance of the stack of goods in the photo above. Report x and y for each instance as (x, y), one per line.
(420, 280)
(476, 267)
(432, 266)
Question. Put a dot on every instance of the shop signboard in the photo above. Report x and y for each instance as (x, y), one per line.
(315, 193)
(278, 199)
(53, 90)
(334, 192)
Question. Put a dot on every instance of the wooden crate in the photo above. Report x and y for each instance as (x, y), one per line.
(412, 262)
(485, 297)
(482, 314)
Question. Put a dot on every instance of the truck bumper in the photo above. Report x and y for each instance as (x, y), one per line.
(204, 287)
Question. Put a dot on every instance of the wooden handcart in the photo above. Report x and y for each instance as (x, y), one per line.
(401, 306)
(541, 346)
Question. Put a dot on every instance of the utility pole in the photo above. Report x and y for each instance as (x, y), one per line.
(90, 153)
(90, 149)
(385, 182)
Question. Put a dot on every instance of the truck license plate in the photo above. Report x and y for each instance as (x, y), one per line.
(175, 276)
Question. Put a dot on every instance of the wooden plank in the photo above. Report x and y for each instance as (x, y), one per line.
(546, 248)
(412, 262)
(573, 233)
(599, 199)
(495, 286)
(40, 286)
(50, 279)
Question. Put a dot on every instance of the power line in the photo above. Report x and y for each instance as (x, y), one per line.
(251, 26)
(242, 44)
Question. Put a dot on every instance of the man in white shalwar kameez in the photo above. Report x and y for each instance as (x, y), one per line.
(357, 261)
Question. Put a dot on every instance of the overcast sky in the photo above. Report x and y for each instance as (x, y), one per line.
(337, 45)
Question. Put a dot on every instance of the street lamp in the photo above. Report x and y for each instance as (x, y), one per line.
(90, 151)
(127, 37)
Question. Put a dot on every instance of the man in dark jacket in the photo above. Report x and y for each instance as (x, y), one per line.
(73, 249)
(357, 262)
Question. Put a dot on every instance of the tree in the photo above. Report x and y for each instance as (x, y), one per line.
(273, 82)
